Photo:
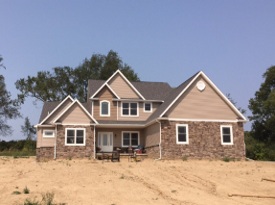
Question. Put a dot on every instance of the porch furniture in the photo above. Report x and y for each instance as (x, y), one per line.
(115, 156)
(132, 156)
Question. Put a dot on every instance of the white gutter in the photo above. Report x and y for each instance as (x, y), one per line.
(159, 140)
(94, 144)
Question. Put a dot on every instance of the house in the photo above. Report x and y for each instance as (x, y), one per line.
(194, 119)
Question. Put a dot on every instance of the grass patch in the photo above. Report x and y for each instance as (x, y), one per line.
(16, 192)
(18, 154)
(47, 199)
(26, 190)
(184, 158)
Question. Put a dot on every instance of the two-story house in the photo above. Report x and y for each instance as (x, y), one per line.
(194, 119)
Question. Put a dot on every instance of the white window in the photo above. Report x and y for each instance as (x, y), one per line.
(129, 109)
(75, 136)
(147, 107)
(226, 135)
(48, 133)
(182, 135)
(105, 108)
(130, 139)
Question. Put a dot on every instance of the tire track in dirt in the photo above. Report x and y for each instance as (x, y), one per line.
(151, 186)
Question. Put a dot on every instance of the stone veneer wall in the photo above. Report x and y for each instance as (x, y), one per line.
(44, 153)
(204, 141)
(63, 151)
(152, 151)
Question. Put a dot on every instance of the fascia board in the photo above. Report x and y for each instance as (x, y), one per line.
(223, 96)
(68, 97)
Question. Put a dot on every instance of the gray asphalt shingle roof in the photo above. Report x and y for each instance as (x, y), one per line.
(170, 98)
(149, 90)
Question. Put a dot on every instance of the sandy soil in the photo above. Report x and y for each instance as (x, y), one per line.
(191, 182)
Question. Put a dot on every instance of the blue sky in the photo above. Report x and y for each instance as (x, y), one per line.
(231, 41)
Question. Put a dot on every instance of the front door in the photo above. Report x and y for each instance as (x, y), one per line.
(105, 141)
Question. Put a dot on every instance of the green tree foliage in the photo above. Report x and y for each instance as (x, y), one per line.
(63, 81)
(243, 111)
(263, 109)
(8, 107)
(27, 129)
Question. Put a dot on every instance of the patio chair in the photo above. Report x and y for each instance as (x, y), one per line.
(132, 156)
(115, 156)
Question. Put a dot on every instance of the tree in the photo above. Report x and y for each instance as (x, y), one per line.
(263, 109)
(243, 111)
(47, 86)
(8, 107)
(27, 129)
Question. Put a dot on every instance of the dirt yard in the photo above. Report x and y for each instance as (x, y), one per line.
(191, 182)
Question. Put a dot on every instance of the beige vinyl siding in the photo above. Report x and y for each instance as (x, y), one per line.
(152, 135)
(206, 104)
(58, 111)
(142, 116)
(42, 141)
(75, 115)
(122, 88)
(105, 94)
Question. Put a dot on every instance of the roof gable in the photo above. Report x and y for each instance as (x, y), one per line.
(181, 89)
(201, 104)
(126, 84)
(53, 108)
(76, 106)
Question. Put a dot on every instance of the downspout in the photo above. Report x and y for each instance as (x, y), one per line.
(94, 144)
(159, 140)
(54, 153)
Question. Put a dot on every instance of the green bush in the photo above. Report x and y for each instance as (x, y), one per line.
(259, 150)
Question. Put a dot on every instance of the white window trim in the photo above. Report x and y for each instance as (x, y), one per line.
(47, 136)
(130, 138)
(231, 135)
(187, 133)
(84, 136)
(129, 109)
(100, 111)
(151, 107)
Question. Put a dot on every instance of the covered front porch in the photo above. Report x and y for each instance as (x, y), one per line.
(123, 140)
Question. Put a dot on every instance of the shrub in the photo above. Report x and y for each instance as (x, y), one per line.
(26, 190)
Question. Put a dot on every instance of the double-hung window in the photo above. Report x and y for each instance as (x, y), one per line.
(130, 139)
(129, 109)
(182, 135)
(75, 136)
(104, 108)
(226, 135)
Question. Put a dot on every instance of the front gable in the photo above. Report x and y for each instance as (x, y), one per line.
(205, 104)
(75, 114)
(202, 100)
(122, 88)
(59, 109)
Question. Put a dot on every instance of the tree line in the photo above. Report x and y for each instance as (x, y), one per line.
(60, 82)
